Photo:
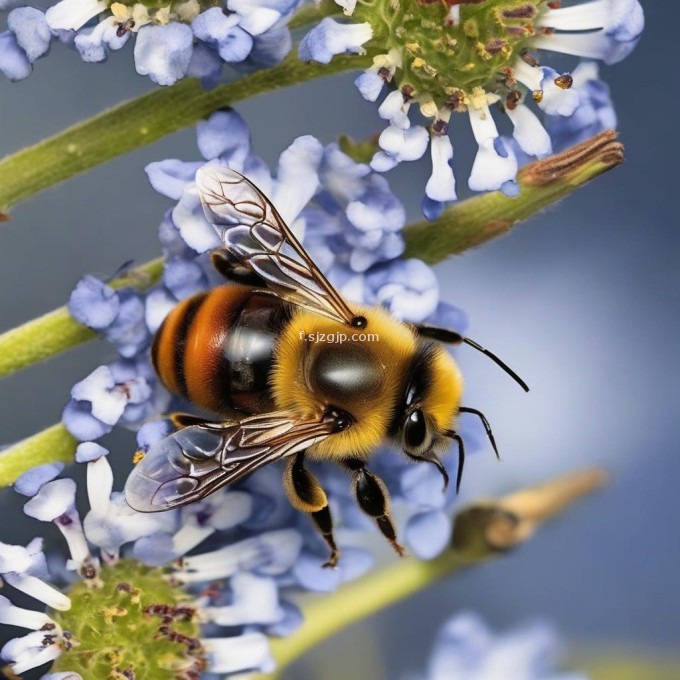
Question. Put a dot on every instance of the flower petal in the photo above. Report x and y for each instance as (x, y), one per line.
(163, 52)
(31, 481)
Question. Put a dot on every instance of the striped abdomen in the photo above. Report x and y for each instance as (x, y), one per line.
(216, 348)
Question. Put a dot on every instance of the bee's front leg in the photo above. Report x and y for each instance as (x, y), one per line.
(305, 494)
(373, 498)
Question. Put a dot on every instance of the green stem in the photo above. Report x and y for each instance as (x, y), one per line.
(470, 223)
(312, 13)
(144, 120)
(49, 446)
(323, 617)
(56, 331)
(483, 531)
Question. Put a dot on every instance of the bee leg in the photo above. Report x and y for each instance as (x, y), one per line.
(373, 498)
(232, 269)
(305, 494)
(181, 420)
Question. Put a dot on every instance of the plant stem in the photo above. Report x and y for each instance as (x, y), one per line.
(56, 331)
(144, 120)
(49, 446)
(472, 222)
(475, 540)
(312, 13)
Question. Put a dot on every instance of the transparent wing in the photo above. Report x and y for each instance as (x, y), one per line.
(195, 461)
(256, 235)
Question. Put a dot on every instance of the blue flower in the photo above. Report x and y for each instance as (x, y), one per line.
(600, 29)
(172, 41)
(330, 37)
(122, 391)
(466, 648)
(26, 39)
(594, 113)
(31, 481)
(163, 52)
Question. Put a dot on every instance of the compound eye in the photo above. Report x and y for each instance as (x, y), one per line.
(416, 435)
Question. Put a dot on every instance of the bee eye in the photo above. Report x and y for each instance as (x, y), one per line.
(416, 434)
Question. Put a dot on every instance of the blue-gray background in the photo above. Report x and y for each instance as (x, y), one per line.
(582, 301)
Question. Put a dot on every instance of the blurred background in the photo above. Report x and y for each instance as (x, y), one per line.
(582, 301)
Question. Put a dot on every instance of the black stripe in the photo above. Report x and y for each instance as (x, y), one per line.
(181, 336)
(155, 345)
(245, 375)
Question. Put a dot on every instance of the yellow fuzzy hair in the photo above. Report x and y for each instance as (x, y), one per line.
(445, 390)
(372, 412)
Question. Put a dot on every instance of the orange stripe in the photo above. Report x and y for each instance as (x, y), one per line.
(166, 341)
(204, 362)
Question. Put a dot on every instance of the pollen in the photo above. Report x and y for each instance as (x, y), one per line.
(437, 55)
(149, 628)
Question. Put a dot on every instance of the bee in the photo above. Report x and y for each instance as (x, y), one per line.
(243, 351)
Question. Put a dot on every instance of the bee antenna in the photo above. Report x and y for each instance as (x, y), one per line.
(498, 362)
(461, 455)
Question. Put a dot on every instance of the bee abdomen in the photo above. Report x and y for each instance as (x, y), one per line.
(217, 348)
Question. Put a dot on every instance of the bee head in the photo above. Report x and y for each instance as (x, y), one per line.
(430, 405)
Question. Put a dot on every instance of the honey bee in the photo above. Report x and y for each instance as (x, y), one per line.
(243, 351)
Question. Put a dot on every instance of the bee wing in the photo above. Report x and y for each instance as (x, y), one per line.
(195, 461)
(254, 232)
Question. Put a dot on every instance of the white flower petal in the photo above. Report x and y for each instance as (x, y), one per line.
(72, 14)
(442, 184)
(347, 6)
(483, 126)
(99, 485)
(188, 537)
(108, 403)
(556, 100)
(39, 590)
(395, 109)
(490, 170)
(53, 500)
(382, 162)
(249, 651)
(22, 559)
(404, 145)
(34, 653)
(298, 177)
(22, 618)
(529, 76)
(254, 18)
(255, 600)
(529, 132)
(189, 218)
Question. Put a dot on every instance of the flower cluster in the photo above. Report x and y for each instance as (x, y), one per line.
(442, 58)
(349, 221)
(466, 648)
(172, 40)
(126, 571)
